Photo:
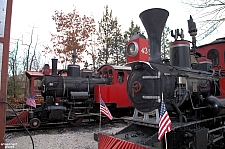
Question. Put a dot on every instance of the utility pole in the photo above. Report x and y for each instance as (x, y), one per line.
(5, 25)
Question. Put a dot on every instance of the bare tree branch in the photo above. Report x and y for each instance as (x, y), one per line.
(211, 14)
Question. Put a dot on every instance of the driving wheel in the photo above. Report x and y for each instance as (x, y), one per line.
(35, 123)
(74, 119)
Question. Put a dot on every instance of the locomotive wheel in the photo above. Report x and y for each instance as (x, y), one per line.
(75, 120)
(35, 123)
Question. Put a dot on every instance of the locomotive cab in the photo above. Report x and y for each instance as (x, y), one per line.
(114, 94)
(214, 51)
(212, 55)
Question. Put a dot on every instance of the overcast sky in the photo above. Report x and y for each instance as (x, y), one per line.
(27, 13)
(37, 13)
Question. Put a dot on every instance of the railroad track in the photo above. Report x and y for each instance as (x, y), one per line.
(60, 126)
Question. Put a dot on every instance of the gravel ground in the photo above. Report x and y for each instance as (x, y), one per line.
(76, 138)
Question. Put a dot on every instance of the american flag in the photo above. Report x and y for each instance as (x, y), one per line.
(165, 124)
(31, 102)
(104, 110)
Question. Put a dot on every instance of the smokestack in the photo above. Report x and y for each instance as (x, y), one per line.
(54, 67)
(154, 21)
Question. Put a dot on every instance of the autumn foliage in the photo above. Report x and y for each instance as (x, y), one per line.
(73, 33)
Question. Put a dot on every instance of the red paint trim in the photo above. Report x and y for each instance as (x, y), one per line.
(182, 42)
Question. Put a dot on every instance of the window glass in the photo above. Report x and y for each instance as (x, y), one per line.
(120, 76)
(37, 83)
(110, 71)
(224, 56)
(110, 74)
(105, 73)
(213, 55)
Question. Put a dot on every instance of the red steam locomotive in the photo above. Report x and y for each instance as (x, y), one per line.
(191, 86)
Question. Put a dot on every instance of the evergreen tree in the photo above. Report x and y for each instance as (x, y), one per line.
(110, 39)
(131, 31)
(119, 56)
(165, 43)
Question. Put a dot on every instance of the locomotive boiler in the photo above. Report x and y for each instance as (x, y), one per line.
(73, 86)
(190, 95)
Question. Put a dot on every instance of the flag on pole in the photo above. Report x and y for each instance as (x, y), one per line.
(28, 100)
(31, 102)
(165, 124)
(104, 110)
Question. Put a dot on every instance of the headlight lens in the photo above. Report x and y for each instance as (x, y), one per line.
(132, 49)
(50, 84)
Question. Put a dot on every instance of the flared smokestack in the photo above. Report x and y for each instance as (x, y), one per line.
(54, 67)
(154, 21)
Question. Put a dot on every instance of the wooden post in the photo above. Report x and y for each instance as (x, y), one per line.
(5, 24)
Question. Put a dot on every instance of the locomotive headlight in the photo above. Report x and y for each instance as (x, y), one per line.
(50, 84)
(132, 49)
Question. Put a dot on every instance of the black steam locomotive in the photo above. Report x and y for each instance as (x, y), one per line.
(71, 95)
(192, 96)
(66, 98)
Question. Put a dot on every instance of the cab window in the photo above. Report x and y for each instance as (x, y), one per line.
(120, 77)
(37, 83)
(110, 74)
(224, 57)
(213, 55)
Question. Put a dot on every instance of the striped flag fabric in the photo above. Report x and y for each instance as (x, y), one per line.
(104, 110)
(28, 101)
(31, 102)
(165, 124)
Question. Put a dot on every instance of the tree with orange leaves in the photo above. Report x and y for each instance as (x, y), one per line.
(73, 34)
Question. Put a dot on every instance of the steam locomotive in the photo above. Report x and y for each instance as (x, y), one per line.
(71, 95)
(191, 85)
(76, 95)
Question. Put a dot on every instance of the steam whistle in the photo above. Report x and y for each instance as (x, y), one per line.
(74, 56)
(86, 65)
(192, 30)
(177, 34)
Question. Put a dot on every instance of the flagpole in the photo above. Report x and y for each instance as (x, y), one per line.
(165, 124)
(100, 111)
(165, 133)
(165, 141)
(100, 122)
